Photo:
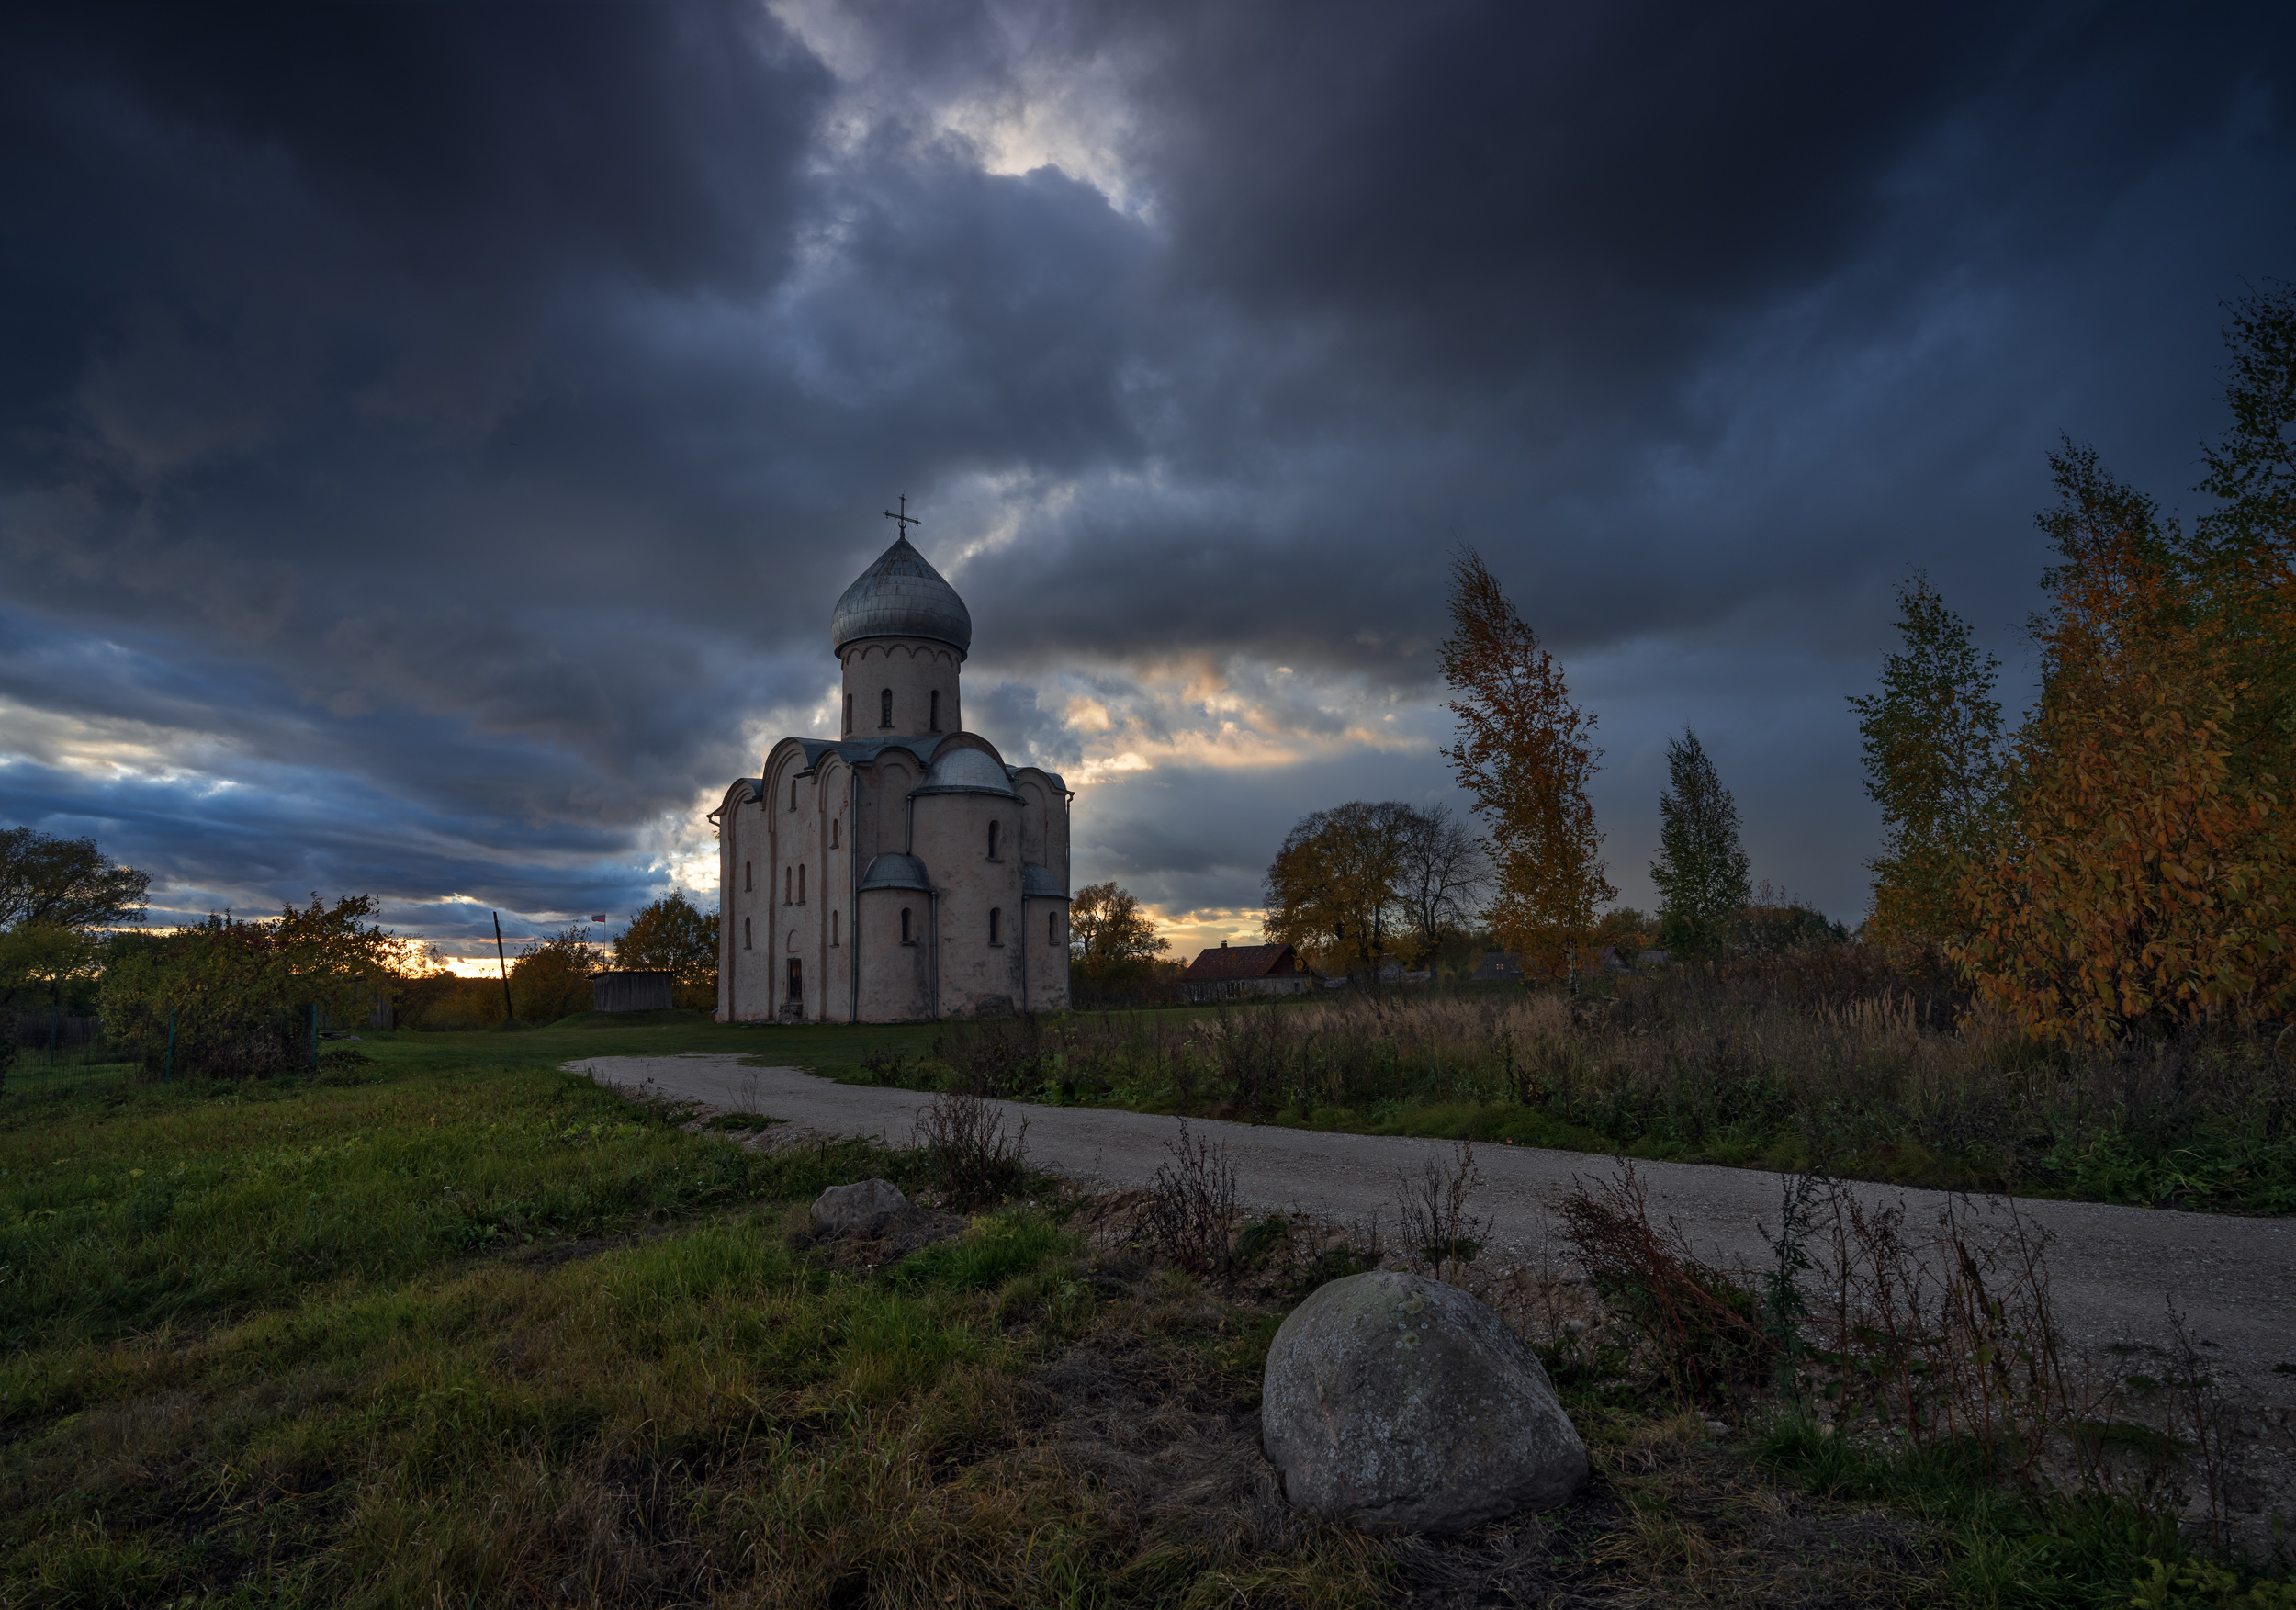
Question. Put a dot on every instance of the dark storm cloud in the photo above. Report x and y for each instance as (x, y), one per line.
(1509, 254)
(450, 425)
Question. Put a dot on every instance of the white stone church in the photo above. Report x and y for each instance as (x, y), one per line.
(900, 871)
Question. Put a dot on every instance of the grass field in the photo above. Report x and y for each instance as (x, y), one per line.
(419, 1333)
(449, 1327)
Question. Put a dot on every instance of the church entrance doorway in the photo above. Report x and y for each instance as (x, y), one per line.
(797, 983)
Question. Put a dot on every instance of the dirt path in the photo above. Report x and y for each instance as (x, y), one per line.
(2112, 1267)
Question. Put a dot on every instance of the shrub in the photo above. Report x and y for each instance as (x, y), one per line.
(974, 1162)
(1697, 1325)
(237, 998)
(1190, 1211)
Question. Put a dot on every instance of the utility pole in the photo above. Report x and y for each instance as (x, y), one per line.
(507, 1014)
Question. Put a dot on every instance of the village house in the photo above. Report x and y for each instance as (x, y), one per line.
(1240, 970)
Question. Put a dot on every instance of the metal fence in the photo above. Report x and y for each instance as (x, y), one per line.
(49, 1041)
(40, 1031)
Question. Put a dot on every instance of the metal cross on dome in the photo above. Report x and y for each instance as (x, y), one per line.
(904, 519)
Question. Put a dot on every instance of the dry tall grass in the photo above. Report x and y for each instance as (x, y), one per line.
(1830, 1055)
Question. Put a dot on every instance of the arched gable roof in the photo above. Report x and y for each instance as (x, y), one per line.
(1052, 778)
(741, 791)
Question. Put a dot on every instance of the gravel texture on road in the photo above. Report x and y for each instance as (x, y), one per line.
(2112, 1268)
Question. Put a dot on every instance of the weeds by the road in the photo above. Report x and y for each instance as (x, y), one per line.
(1434, 1215)
(975, 1162)
(1190, 1211)
(1883, 1360)
(1775, 1061)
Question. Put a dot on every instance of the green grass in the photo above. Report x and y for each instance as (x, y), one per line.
(587, 1034)
(2007, 1550)
(484, 1334)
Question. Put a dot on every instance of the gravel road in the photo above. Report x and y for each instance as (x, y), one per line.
(2111, 1268)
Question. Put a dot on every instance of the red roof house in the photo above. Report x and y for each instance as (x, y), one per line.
(1233, 970)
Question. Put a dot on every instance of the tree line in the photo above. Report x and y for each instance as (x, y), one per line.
(235, 996)
(1362, 886)
(2120, 865)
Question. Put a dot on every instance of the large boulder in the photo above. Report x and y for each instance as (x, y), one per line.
(1404, 1406)
(858, 1210)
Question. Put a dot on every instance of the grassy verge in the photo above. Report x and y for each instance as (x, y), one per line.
(1901, 1105)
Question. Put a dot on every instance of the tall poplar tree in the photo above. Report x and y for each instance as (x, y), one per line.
(1932, 740)
(1701, 869)
(1526, 752)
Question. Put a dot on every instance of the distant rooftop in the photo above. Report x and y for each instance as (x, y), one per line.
(1243, 961)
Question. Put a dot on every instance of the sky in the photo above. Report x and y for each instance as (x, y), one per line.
(432, 438)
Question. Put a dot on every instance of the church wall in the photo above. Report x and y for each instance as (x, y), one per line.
(1034, 822)
(896, 777)
(913, 669)
(811, 882)
(833, 917)
(749, 874)
(953, 841)
(895, 979)
(1048, 955)
(1045, 816)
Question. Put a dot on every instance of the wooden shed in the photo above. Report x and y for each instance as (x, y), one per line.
(631, 991)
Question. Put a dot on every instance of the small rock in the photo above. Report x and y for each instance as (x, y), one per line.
(1404, 1406)
(1574, 1327)
(857, 1210)
(1716, 1428)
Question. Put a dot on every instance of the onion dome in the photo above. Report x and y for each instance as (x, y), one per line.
(966, 771)
(901, 596)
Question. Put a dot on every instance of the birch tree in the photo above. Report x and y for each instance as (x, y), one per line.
(1526, 752)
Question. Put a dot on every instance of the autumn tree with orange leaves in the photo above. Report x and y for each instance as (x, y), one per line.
(1526, 752)
(2144, 875)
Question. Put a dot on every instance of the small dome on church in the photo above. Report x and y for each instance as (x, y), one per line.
(966, 772)
(901, 596)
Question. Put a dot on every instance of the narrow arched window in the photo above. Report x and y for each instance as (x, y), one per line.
(884, 708)
(936, 709)
(801, 886)
(1051, 928)
(849, 712)
(793, 793)
(796, 982)
(996, 926)
(786, 875)
(833, 927)
(745, 933)
(904, 926)
(749, 881)
(833, 827)
(992, 840)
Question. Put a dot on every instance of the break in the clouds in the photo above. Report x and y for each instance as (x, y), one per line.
(432, 438)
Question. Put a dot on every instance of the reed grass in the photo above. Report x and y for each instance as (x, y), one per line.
(1825, 1058)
